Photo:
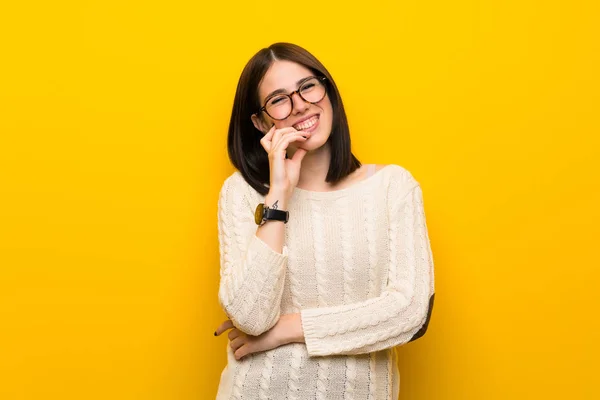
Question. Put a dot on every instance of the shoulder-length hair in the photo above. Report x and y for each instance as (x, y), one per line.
(243, 139)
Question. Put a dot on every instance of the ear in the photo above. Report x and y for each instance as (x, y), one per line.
(259, 124)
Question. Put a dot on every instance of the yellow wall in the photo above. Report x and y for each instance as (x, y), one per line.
(113, 119)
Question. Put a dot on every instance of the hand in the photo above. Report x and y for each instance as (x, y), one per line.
(288, 329)
(244, 344)
(284, 172)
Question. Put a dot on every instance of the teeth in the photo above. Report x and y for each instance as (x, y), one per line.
(307, 124)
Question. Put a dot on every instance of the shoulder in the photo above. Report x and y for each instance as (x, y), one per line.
(236, 186)
(235, 179)
(399, 180)
(234, 183)
(398, 174)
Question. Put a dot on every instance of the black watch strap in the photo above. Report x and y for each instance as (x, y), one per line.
(278, 215)
(263, 214)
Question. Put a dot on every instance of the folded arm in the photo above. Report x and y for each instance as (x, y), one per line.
(252, 273)
(401, 313)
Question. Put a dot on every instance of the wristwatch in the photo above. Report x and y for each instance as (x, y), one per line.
(264, 214)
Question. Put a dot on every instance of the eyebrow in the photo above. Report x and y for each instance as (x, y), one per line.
(279, 91)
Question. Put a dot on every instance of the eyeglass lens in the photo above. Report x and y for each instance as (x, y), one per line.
(280, 106)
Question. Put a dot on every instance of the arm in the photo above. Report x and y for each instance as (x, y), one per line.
(401, 313)
(252, 272)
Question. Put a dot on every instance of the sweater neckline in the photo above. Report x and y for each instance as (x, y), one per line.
(340, 192)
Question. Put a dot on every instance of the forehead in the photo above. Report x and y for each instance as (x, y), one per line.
(282, 75)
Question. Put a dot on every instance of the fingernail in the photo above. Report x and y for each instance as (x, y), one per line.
(215, 333)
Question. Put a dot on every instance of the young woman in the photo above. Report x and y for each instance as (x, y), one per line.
(326, 263)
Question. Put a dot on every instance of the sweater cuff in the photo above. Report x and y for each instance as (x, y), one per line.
(314, 345)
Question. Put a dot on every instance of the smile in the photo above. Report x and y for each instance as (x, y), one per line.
(308, 124)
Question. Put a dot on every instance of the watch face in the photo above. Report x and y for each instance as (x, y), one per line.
(258, 214)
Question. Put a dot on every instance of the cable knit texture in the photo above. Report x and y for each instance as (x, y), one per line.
(357, 265)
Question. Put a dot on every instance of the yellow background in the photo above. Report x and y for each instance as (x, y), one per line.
(113, 119)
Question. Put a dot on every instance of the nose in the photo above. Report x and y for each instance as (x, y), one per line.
(299, 105)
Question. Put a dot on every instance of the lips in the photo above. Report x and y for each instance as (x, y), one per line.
(307, 123)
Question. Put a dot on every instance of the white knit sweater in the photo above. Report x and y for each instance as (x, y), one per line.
(357, 265)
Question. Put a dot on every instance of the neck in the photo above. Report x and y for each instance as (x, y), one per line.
(314, 168)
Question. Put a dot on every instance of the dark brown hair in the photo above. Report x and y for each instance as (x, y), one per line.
(243, 140)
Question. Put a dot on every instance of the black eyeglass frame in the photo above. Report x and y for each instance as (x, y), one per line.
(323, 79)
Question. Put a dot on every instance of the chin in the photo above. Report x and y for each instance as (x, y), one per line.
(312, 145)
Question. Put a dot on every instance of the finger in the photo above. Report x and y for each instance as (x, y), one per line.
(223, 327)
(285, 141)
(237, 342)
(276, 137)
(286, 133)
(279, 133)
(234, 333)
(265, 141)
(270, 132)
(242, 352)
(269, 135)
(286, 129)
(299, 155)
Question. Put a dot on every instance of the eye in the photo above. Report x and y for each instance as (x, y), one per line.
(278, 100)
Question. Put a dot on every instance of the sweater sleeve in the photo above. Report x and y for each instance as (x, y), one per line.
(401, 313)
(252, 274)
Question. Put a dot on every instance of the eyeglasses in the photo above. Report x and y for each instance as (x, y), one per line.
(279, 106)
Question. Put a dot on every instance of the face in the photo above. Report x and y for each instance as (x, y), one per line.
(316, 118)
